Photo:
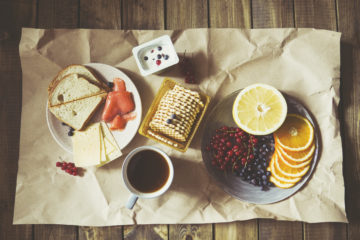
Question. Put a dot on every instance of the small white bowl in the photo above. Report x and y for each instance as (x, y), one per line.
(156, 55)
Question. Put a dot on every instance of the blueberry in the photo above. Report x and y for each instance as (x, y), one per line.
(268, 173)
(72, 129)
(173, 116)
(159, 48)
(168, 121)
(265, 188)
(70, 133)
(146, 58)
(158, 56)
(259, 166)
(166, 57)
(264, 177)
(110, 84)
(248, 177)
(265, 164)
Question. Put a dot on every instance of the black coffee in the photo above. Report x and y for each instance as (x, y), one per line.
(148, 171)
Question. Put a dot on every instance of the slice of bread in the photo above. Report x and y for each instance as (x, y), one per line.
(82, 71)
(72, 87)
(77, 113)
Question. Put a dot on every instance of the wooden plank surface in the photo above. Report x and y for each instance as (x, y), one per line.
(143, 14)
(348, 23)
(325, 231)
(315, 14)
(55, 232)
(14, 14)
(100, 14)
(279, 230)
(230, 13)
(274, 13)
(100, 233)
(58, 14)
(182, 14)
(190, 231)
(156, 232)
(240, 230)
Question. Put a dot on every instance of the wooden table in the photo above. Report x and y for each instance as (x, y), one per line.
(337, 15)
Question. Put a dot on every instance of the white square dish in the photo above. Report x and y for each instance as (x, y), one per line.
(155, 55)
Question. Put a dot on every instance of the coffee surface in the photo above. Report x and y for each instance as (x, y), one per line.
(148, 171)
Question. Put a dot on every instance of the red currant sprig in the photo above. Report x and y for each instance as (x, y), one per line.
(69, 167)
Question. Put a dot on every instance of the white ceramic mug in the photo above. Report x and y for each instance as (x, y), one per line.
(135, 193)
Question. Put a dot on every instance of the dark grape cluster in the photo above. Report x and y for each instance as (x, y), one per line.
(245, 155)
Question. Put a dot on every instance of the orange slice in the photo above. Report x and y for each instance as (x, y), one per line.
(292, 164)
(299, 156)
(278, 175)
(295, 134)
(280, 184)
(284, 169)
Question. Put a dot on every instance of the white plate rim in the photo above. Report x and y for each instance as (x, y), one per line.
(100, 68)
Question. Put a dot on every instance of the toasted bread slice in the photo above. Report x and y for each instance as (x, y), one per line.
(72, 87)
(77, 113)
(82, 71)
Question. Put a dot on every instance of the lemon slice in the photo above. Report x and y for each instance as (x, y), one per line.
(259, 109)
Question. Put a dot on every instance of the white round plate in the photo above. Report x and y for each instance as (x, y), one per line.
(124, 137)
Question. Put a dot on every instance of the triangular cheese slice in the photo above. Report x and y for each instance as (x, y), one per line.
(86, 146)
(112, 149)
(102, 147)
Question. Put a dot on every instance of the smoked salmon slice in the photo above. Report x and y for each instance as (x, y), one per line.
(118, 102)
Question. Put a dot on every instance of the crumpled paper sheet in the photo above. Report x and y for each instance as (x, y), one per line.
(304, 63)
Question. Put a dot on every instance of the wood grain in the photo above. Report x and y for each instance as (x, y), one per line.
(245, 230)
(190, 231)
(279, 230)
(274, 13)
(230, 13)
(100, 14)
(14, 14)
(325, 231)
(186, 14)
(156, 232)
(55, 232)
(100, 233)
(348, 22)
(315, 14)
(143, 14)
(58, 14)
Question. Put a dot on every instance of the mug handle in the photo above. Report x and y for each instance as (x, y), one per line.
(131, 201)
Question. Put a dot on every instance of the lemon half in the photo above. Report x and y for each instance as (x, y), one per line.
(259, 109)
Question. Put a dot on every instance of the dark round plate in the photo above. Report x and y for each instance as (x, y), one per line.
(222, 115)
